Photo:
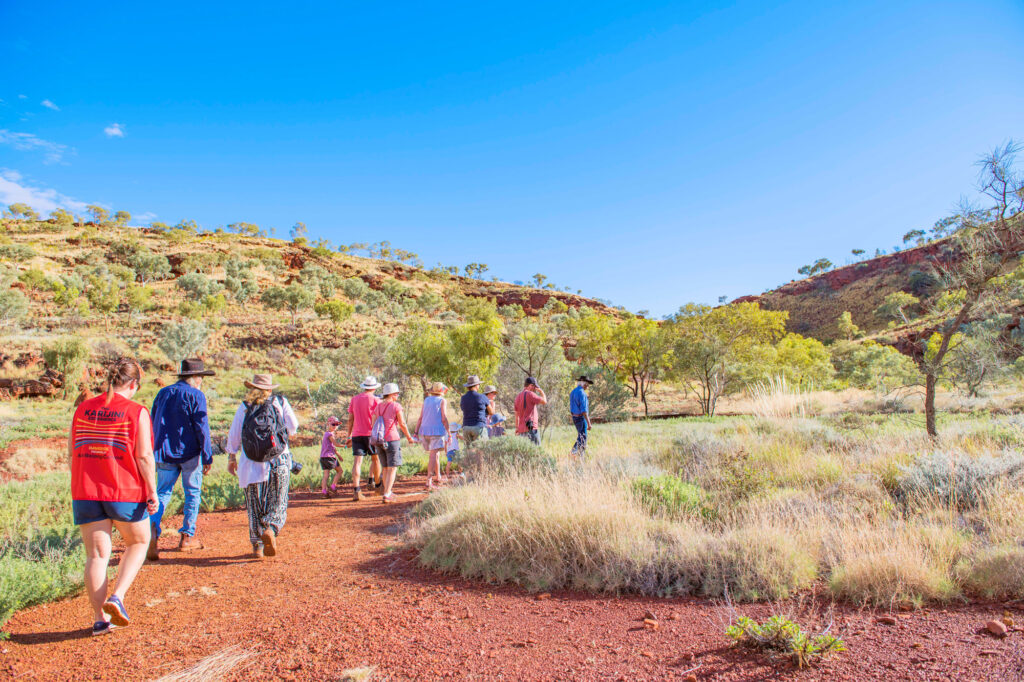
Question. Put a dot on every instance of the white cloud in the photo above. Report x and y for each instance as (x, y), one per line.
(22, 96)
(13, 189)
(50, 105)
(146, 217)
(114, 130)
(27, 142)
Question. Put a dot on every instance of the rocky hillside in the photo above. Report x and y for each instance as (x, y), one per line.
(815, 303)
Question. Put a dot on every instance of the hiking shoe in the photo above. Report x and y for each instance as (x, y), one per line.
(114, 608)
(188, 543)
(257, 551)
(102, 627)
(153, 553)
(358, 495)
(388, 499)
(269, 542)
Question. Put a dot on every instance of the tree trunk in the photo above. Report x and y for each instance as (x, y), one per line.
(929, 404)
(643, 399)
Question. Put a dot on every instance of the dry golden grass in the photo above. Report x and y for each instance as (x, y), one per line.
(27, 461)
(213, 667)
(791, 501)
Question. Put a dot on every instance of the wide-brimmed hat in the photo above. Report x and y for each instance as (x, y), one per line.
(584, 377)
(472, 380)
(194, 367)
(488, 389)
(264, 382)
(333, 421)
(437, 387)
(389, 389)
(369, 382)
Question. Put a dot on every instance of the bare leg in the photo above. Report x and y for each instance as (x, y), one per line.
(389, 479)
(375, 468)
(136, 539)
(337, 477)
(96, 538)
(357, 464)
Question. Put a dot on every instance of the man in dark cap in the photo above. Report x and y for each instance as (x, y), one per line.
(579, 407)
(182, 447)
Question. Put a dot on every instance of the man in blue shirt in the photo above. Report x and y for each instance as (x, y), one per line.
(476, 407)
(182, 447)
(579, 407)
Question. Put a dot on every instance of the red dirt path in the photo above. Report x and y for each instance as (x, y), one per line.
(342, 594)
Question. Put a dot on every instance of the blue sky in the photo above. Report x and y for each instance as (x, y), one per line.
(647, 153)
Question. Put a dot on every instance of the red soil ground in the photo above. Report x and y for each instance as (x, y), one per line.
(343, 594)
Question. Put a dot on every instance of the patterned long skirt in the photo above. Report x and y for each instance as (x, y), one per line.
(267, 503)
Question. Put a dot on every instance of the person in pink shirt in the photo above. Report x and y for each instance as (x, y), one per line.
(360, 409)
(391, 449)
(527, 416)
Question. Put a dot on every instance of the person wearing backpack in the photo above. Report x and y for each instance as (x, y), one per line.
(384, 436)
(261, 428)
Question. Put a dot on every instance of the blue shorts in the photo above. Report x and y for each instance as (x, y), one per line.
(91, 511)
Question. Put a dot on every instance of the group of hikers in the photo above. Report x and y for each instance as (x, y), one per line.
(125, 460)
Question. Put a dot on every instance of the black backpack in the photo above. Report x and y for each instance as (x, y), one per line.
(264, 437)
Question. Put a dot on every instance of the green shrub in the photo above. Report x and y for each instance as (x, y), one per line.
(16, 252)
(779, 636)
(757, 563)
(38, 571)
(671, 496)
(507, 455)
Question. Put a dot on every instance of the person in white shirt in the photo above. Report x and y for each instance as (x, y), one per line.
(265, 483)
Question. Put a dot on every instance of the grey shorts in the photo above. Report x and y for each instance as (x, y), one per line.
(390, 453)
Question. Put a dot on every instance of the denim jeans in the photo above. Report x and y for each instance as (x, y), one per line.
(191, 472)
(581, 436)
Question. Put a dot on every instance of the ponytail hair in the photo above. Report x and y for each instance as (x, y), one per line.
(123, 371)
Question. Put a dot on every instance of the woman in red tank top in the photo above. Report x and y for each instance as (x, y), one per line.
(113, 484)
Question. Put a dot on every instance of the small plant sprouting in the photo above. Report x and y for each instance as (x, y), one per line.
(779, 636)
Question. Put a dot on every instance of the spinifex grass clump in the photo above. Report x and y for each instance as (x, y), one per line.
(957, 480)
(505, 455)
(781, 637)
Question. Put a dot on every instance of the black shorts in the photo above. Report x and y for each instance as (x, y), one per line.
(329, 463)
(361, 446)
(391, 453)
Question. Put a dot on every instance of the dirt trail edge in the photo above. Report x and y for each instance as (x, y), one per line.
(342, 594)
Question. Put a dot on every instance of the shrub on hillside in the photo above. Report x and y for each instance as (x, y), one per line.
(182, 340)
(959, 481)
(68, 356)
(13, 305)
(16, 252)
(507, 455)
(197, 286)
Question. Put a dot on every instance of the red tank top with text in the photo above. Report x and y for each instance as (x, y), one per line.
(103, 465)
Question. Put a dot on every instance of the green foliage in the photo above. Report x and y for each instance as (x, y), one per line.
(35, 279)
(335, 310)
(104, 295)
(197, 286)
(98, 213)
(429, 302)
(183, 340)
(507, 455)
(292, 298)
(68, 356)
(847, 329)
(712, 345)
(23, 211)
(428, 352)
(355, 288)
(898, 305)
(63, 218)
(18, 253)
(671, 496)
(138, 298)
(820, 265)
(781, 636)
(149, 266)
(872, 366)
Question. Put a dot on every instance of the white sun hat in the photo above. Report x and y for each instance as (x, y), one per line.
(369, 382)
